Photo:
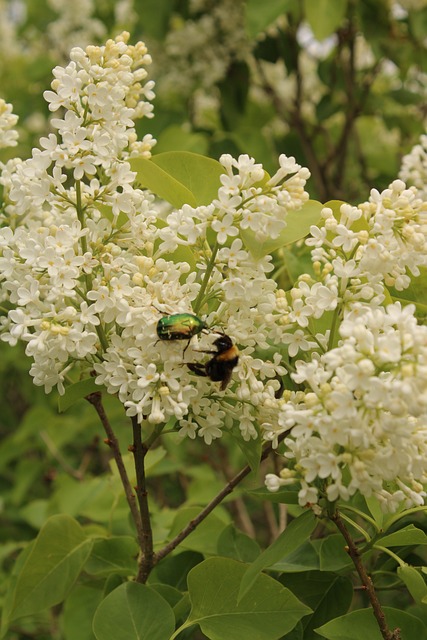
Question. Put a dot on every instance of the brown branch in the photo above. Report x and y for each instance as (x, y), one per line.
(95, 399)
(139, 451)
(366, 580)
(229, 487)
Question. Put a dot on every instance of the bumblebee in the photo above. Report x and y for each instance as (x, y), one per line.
(179, 326)
(220, 367)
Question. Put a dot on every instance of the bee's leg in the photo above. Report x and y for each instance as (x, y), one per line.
(197, 368)
(206, 351)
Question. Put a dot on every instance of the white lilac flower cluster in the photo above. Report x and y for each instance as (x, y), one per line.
(414, 166)
(360, 425)
(356, 252)
(85, 265)
(357, 419)
(88, 268)
(8, 120)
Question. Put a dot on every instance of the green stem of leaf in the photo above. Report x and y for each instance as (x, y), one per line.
(405, 513)
(399, 561)
(357, 527)
(345, 507)
(209, 269)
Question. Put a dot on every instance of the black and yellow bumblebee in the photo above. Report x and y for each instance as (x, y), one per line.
(220, 367)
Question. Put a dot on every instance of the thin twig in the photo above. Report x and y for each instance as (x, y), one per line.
(354, 554)
(139, 451)
(95, 400)
(191, 526)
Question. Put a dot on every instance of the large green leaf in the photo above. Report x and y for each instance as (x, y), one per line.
(177, 138)
(332, 554)
(133, 612)
(154, 178)
(295, 534)
(305, 558)
(409, 535)
(414, 582)
(324, 16)
(362, 625)
(50, 568)
(180, 177)
(79, 610)
(113, 555)
(298, 225)
(232, 543)
(267, 611)
(327, 594)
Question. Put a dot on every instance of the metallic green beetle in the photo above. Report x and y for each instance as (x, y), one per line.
(179, 326)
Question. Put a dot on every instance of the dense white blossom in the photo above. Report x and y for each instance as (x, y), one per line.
(8, 120)
(83, 258)
(90, 262)
(360, 425)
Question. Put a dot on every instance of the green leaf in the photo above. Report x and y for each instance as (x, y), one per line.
(170, 594)
(295, 534)
(409, 535)
(324, 16)
(327, 594)
(173, 570)
(154, 178)
(79, 610)
(414, 582)
(374, 507)
(298, 225)
(198, 173)
(177, 138)
(235, 544)
(251, 449)
(133, 612)
(259, 15)
(267, 611)
(361, 624)
(92, 497)
(180, 177)
(50, 568)
(282, 496)
(76, 392)
(332, 554)
(205, 536)
(303, 559)
(113, 555)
